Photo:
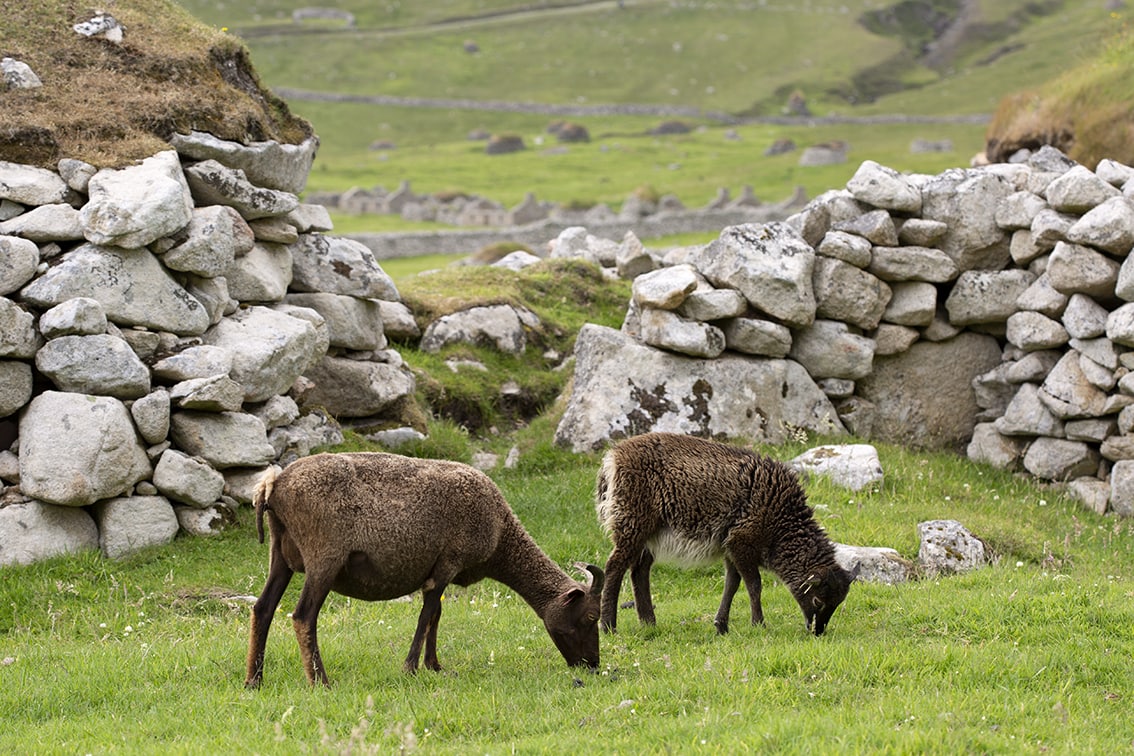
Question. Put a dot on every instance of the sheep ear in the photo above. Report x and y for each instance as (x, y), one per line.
(854, 573)
(573, 595)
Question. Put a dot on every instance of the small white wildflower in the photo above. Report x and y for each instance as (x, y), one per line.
(128, 629)
(1043, 502)
(1019, 564)
(102, 624)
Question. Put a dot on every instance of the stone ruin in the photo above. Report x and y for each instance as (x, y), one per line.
(167, 331)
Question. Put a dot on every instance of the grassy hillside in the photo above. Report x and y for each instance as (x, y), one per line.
(725, 60)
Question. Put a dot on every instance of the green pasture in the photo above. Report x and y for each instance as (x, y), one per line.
(1031, 654)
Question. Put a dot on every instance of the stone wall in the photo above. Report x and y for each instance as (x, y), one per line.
(990, 310)
(167, 331)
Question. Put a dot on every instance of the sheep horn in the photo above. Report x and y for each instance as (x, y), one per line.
(594, 576)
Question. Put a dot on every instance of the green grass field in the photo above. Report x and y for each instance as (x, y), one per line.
(1031, 654)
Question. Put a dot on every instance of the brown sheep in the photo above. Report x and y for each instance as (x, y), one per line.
(693, 501)
(378, 526)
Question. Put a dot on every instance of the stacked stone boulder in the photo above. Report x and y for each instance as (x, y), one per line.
(169, 329)
(989, 310)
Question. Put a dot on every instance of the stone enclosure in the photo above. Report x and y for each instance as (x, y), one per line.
(169, 329)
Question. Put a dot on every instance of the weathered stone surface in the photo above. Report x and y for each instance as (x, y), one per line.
(18, 337)
(828, 349)
(1122, 488)
(215, 237)
(1068, 394)
(151, 416)
(133, 288)
(1018, 210)
(214, 393)
(76, 449)
(263, 274)
(770, 264)
(499, 326)
(128, 524)
(623, 388)
(990, 447)
(190, 481)
(1032, 331)
(29, 185)
(666, 288)
(758, 337)
(81, 316)
(1109, 227)
(844, 292)
(274, 165)
(853, 466)
(986, 296)
(1043, 298)
(1073, 268)
(633, 259)
(31, 531)
(912, 264)
(1026, 415)
(912, 303)
(667, 330)
(199, 361)
(352, 323)
(1092, 493)
(339, 266)
(99, 364)
(1050, 227)
(215, 184)
(46, 223)
(850, 248)
(269, 349)
(966, 201)
(224, 439)
(357, 388)
(15, 386)
(892, 339)
(1078, 191)
(947, 546)
(873, 564)
(885, 188)
(924, 396)
(18, 261)
(921, 232)
(131, 207)
(1060, 459)
(710, 304)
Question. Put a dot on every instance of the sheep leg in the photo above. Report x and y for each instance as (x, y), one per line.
(615, 570)
(752, 583)
(279, 575)
(640, 580)
(426, 632)
(731, 584)
(303, 619)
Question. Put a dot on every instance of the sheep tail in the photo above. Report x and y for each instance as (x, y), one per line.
(261, 494)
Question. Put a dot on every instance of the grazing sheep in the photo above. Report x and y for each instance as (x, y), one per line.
(378, 526)
(693, 501)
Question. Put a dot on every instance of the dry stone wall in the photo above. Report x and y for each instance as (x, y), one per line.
(167, 331)
(989, 310)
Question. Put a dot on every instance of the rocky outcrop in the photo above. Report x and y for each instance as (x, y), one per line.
(169, 329)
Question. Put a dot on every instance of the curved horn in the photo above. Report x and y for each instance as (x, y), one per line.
(595, 577)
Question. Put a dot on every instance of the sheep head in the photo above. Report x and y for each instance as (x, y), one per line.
(820, 594)
(572, 620)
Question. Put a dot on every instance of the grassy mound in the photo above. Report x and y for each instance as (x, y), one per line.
(111, 104)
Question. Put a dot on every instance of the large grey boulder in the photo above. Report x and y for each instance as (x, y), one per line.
(187, 480)
(966, 201)
(132, 207)
(15, 386)
(18, 261)
(32, 530)
(97, 364)
(215, 237)
(29, 185)
(667, 330)
(133, 288)
(269, 349)
(924, 396)
(770, 264)
(885, 188)
(273, 165)
(215, 184)
(357, 388)
(947, 546)
(263, 274)
(875, 564)
(853, 466)
(622, 388)
(128, 524)
(829, 349)
(222, 439)
(18, 337)
(339, 266)
(352, 323)
(847, 293)
(76, 449)
(499, 326)
(986, 296)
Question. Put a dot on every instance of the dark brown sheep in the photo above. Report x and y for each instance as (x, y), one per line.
(693, 501)
(378, 526)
